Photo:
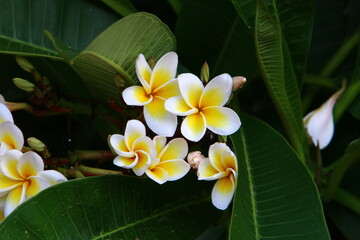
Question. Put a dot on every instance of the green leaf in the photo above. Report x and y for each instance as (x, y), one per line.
(276, 197)
(114, 207)
(75, 23)
(116, 49)
(122, 7)
(275, 64)
(212, 31)
(295, 20)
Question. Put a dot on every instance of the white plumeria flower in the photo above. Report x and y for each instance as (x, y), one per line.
(169, 165)
(319, 123)
(5, 114)
(11, 137)
(221, 166)
(21, 177)
(134, 149)
(203, 107)
(158, 85)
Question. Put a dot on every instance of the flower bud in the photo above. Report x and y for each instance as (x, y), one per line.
(24, 64)
(238, 82)
(319, 123)
(24, 84)
(36, 144)
(205, 73)
(194, 159)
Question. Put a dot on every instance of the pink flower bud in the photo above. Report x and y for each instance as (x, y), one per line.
(238, 82)
(194, 159)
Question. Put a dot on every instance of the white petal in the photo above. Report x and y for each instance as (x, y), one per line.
(159, 142)
(157, 174)
(117, 143)
(125, 162)
(158, 119)
(223, 192)
(179, 107)
(320, 124)
(164, 70)
(143, 160)
(9, 162)
(134, 129)
(30, 164)
(52, 177)
(14, 199)
(37, 184)
(193, 127)
(207, 172)
(216, 152)
(191, 89)
(217, 91)
(136, 96)
(5, 114)
(221, 120)
(176, 149)
(176, 168)
(11, 135)
(143, 72)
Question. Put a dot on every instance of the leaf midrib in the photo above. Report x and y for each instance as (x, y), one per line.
(30, 45)
(154, 216)
(251, 185)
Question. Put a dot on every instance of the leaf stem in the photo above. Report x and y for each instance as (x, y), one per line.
(337, 171)
(90, 171)
(347, 199)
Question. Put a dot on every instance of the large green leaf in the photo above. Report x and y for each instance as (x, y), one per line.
(277, 70)
(295, 20)
(114, 207)
(76, 23)
(115, 51)
(276, 197)
(212, 31)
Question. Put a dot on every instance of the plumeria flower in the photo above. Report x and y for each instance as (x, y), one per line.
(5, 114)
(319, 123)
(203, 107)
(158, 85)
(221, 166)
(21, 177)
(169, 165)
(11, 137)
(134, 149)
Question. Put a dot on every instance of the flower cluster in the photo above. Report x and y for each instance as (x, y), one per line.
(22, 175)
(165, 97)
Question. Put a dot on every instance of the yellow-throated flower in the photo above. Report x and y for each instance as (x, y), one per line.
(5, 114)
(21, 177)
(221, 165)
(11, 137)
(134, 149)
(203, 107)
(157, 85)
(169, 165)
(319, 123)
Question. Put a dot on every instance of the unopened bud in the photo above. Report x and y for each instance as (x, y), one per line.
(38, 146)
(194, 159)
(119, 81)
(24, 84)
(151, 62)
(205, 72)
(238, 82)
(24, 64)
